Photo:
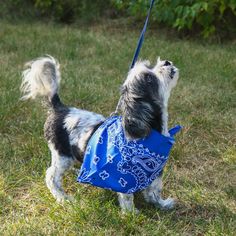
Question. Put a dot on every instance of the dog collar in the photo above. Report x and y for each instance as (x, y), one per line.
(112, 162)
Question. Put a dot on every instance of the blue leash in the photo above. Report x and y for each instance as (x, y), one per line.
(138, 48)
(141, 38)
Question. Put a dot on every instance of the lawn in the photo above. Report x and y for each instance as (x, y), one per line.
(201, 172)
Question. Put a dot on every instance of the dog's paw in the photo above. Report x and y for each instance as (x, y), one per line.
(167, 204)
(128, 211)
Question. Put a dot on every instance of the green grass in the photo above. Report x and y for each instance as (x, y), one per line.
(201, 172)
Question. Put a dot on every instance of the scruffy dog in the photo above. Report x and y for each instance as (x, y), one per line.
(143, 106)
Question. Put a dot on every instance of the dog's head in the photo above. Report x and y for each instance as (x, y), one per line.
(144, 97)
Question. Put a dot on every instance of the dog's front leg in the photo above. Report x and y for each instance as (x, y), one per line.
(127, 202)
(152, 194)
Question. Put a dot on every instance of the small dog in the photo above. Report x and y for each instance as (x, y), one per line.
(143, 106)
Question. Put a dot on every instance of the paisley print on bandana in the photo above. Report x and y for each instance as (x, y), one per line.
(112, 162)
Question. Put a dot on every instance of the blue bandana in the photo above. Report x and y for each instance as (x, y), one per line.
(112, 162)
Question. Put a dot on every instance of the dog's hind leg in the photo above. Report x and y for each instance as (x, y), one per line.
(152, 194)
(60, 164)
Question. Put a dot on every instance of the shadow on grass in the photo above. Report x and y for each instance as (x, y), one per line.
(192, 212)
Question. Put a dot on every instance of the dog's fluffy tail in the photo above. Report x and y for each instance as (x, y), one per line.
(41, 78)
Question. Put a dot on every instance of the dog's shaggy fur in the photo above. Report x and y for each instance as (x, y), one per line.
(143, 106)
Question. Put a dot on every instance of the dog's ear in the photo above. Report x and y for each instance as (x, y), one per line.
(135, 116)
(135, 128)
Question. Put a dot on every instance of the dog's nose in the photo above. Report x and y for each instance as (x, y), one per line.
(167, 63)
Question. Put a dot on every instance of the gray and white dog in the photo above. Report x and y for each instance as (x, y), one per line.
(143, 106)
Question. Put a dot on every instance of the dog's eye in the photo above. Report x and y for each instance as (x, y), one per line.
(167, 63)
